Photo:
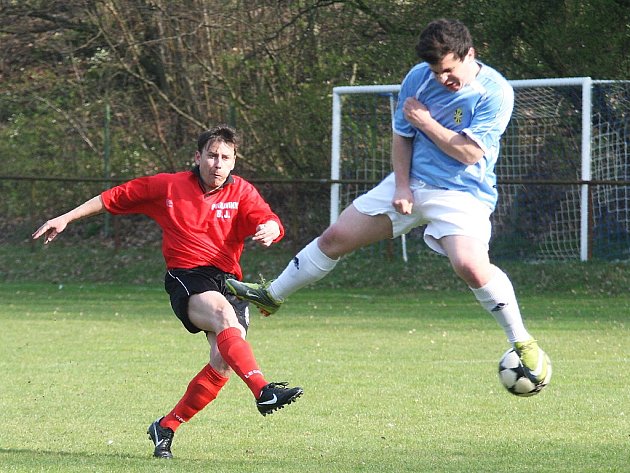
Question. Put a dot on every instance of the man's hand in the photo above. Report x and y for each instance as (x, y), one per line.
(458, 146)
(416, 113)
(266, 233)
(51, 229)
(403, 200)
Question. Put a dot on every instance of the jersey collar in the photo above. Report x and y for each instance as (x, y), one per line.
(229, 180)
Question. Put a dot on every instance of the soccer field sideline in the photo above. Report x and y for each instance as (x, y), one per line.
(80, 368)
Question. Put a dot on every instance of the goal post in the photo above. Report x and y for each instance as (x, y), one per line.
(557, 193)
(585, 83)
(391, 91)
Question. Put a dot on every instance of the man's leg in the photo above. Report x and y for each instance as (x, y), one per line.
(352, 230)
(202, 390)
(494, 291)
(310, 265)
(210, 311)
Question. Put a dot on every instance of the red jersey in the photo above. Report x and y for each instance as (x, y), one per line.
(198, 228)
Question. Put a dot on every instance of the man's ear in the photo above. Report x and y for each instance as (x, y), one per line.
(197, 157)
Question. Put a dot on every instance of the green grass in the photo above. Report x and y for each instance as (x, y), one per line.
(71, 261)
(392, 384)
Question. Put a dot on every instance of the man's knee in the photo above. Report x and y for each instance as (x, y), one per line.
(328, 240)
(475, 273)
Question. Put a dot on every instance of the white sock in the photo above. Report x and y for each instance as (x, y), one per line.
(308, 266)
(498, 298)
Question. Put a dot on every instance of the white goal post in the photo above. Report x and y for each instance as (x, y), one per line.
(550, 138)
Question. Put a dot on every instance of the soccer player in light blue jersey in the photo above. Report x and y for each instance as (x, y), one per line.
(451, 113)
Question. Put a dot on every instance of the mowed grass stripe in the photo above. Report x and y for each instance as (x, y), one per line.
(391, 384)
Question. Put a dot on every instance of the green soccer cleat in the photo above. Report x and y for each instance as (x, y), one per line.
(257, 294)
(534, 360)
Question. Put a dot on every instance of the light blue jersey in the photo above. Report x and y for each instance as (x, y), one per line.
(481, 110)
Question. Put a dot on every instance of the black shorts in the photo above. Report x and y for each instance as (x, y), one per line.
(183, 283)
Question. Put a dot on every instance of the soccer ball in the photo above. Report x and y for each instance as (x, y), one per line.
(513, 377)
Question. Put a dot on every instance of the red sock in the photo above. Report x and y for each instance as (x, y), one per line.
(239, 355)
(202, 389)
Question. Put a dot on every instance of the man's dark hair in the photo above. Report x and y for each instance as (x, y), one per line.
(441, 37)
(224, 133)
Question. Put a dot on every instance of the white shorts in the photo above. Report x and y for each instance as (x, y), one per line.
(445, 212)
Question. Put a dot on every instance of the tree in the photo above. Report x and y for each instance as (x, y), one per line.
(170, 68)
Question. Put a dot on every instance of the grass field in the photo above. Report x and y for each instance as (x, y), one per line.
(404, 384)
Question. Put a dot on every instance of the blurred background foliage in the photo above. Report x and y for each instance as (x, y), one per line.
(168, 69)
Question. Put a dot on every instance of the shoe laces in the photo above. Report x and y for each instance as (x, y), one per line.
(263, 282)
(526, 347)
(166, 436)
(281, 385)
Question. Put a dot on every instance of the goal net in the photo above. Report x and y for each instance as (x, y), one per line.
(563, 173)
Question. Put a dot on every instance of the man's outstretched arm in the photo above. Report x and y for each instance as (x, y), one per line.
(55, 226)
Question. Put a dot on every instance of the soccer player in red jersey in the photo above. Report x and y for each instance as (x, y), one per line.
(205, 215)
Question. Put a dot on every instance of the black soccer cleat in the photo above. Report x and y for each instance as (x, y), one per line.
(275, 396)
(162, 438)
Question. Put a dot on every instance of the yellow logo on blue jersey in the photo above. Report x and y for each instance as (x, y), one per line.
(458, 116)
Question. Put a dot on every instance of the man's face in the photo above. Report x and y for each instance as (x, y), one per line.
(454, 73)
(215, 163)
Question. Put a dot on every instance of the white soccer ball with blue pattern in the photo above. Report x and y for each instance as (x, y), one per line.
(513, 377)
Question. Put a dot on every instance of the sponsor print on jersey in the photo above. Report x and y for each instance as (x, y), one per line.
(222, 209)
